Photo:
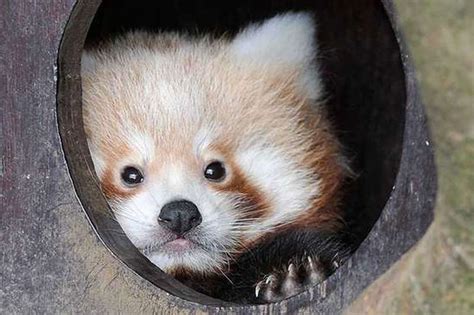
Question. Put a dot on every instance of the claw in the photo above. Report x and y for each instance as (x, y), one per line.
(292, 272)
(291, 284)
(314, 274)
(272, 280)
(311, 265)
(335, 261)
(270, 292)
(258, 287)
(291, 280)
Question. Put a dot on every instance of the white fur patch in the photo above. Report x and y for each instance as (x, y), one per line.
(138, 217)
(287, 40)
(287, 187)
(143, 144)
(284, 39)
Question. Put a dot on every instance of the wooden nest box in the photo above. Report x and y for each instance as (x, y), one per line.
(53, 261)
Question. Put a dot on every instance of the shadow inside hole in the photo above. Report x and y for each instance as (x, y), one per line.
(360, 67)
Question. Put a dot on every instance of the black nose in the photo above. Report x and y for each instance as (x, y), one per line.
(180, 216)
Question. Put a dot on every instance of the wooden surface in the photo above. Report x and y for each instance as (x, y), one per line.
(437, 275)
(51, 259)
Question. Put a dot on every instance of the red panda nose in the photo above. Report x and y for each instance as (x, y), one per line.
(179, 216)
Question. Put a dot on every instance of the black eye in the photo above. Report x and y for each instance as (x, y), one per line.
(215, 172)
(131, 176)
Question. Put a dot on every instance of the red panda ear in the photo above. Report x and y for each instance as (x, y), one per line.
(287, 41)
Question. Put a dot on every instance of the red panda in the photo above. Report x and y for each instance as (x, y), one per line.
(217, 157)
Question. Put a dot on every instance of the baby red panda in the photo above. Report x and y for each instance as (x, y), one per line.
(217, 157)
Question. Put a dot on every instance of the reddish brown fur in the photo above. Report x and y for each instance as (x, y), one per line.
(253, 202)
(110, 180)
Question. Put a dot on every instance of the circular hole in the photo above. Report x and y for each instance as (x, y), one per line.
(360, 66)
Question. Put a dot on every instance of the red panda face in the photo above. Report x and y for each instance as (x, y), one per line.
(203, 147)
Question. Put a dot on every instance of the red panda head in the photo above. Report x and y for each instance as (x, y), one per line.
(203, 147)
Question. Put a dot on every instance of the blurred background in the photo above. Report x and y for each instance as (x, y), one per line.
(437, 276)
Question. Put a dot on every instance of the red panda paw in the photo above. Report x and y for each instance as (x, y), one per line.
(291, 280)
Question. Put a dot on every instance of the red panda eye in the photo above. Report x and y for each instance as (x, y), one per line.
(215, 172)
(131, 176)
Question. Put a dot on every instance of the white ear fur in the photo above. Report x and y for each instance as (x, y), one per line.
(286, 40)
